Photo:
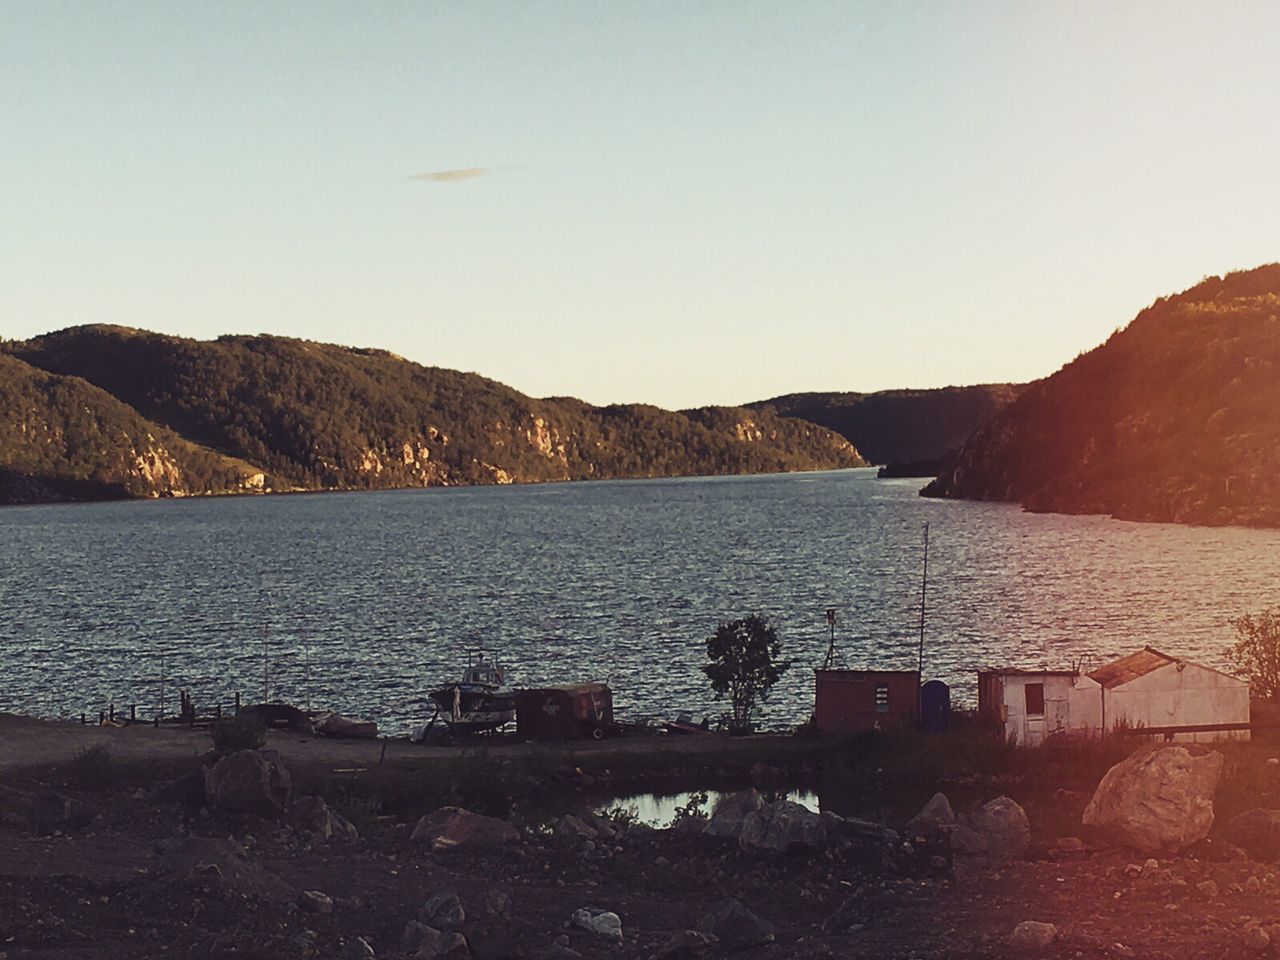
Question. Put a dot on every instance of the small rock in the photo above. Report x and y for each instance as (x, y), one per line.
(601, 922)
(359, 949)
(1121, 950)
(1033, 935)
(443, 911)
(1150, 866)
(1253, 885)
(314, 901)
(1255, 938)
(496, 903)
(1207, 889)
(935, 815)
(687, 945)
(735, 926)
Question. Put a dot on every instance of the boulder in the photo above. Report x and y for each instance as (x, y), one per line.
(735, 926)
(730, 811)
(936, 815)
(603, 923)
(52, 811)
(320, 820)
(247, 782)
(1257, 832)
(455, 828)
(1158, 799)
(443, 911)
(570, 830)
(1004, 826)
(782, 827)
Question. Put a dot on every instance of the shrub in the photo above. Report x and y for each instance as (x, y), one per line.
(92, 766)
(238, 733)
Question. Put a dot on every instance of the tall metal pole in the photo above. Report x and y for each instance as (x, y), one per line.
(162, 685)
(924, 582)
(266, 667)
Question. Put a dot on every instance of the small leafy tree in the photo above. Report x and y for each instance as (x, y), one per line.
(1257, 652)
(744, 661)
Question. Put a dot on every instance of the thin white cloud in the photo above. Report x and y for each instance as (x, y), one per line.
(453, 176)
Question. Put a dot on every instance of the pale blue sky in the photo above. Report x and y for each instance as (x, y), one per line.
(687, 203)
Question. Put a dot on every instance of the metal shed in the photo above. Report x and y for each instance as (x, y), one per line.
(846, 701)
(574, 712)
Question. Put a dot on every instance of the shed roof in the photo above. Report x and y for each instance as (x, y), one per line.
(1131, 667)
(573, 689)
(1022, 672)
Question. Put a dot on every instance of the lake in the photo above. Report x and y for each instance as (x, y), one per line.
(363, 601)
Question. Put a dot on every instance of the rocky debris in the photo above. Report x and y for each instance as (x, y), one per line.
(729, 813)
(313, 901)
(1158, 799)
(495, 903)
(934, 816)
(320, 820)
(443, 911)
(687, 945)
(1257, 832)
(248, 782)
(52, 812)
(456, 828)
(603, 923)
(1033, 935)
(359, 949)
(782, 827)
(222, 862)
(186, 791)
(735, 927)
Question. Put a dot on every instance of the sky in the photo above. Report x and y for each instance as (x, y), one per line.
(672, 203)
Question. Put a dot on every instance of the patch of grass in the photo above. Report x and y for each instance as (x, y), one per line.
(92, 767)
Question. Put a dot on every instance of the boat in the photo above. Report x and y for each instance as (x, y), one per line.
(480, 701)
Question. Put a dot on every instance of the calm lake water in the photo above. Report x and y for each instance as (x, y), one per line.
(366, 600)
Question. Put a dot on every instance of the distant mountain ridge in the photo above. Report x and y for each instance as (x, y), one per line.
(1176, 417)
(900, 426)
(105, 411)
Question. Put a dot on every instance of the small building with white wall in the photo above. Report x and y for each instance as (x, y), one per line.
(1172, 698)
(1030, 705)
(1161, 695)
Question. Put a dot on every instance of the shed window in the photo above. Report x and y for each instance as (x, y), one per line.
(1035, 699)
(882, 698)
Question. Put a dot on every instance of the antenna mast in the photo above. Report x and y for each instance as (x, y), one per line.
(924, 582)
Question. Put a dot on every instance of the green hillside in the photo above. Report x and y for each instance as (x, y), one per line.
(900, 426)
(1174, 418)
(316, 416)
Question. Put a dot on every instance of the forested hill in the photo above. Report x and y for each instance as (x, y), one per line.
(281, 414)
(1175, 418)
(899, 426)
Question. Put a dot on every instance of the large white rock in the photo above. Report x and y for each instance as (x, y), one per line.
(1158, 799)
(782, 827)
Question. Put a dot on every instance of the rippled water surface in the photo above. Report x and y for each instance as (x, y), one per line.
(366, 600)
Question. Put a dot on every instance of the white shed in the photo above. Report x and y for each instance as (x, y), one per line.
(1173, 698)
(1029, 705)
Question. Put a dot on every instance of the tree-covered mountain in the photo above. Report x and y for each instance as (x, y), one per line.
(64, 439)
(1175, 418)
(313, 416)
(900, 426)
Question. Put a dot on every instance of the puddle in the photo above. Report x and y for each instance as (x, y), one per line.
(659, 810)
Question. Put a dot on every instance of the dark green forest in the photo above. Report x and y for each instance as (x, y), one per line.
(84, 404)
(1175, 418)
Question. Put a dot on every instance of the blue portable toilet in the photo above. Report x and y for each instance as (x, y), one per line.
(935, 707)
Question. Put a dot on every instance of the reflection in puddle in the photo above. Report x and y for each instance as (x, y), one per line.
(659, 810)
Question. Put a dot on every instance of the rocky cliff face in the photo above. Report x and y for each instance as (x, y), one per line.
(288, 414)
(1174, 418)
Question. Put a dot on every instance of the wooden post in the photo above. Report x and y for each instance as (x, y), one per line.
(237, 701)
(133, 712)
(102, 717)
(82, 719)
(155, 721)
(383, 755)
(112, 714)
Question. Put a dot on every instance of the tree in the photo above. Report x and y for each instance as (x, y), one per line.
(744, 662)
(1257, 652)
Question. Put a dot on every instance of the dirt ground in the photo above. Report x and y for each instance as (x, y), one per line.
(150, 879)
